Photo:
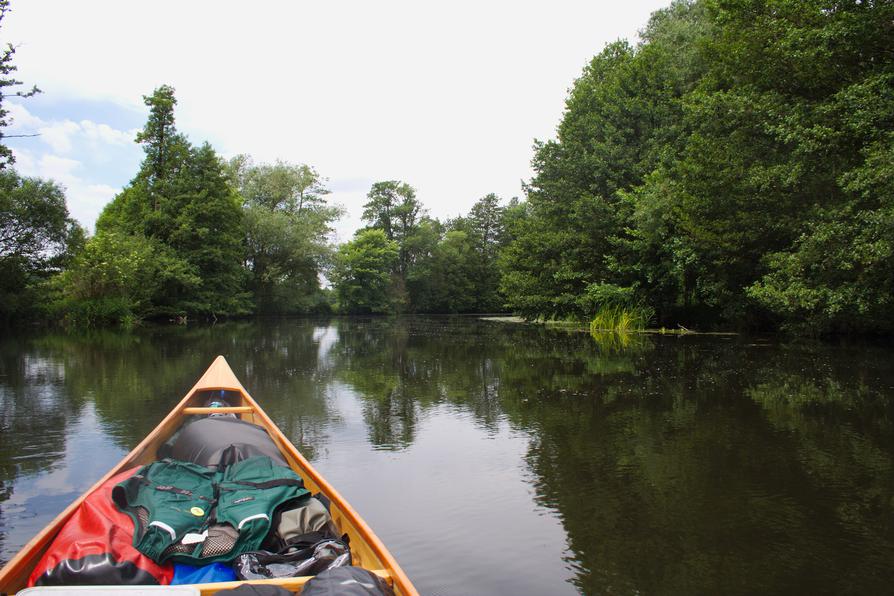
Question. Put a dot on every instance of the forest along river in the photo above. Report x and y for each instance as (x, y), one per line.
(501, 458)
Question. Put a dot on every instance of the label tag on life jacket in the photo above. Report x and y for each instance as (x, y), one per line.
(192, 538)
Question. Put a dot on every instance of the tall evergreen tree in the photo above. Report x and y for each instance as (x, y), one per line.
(182, 199)
(486, 233)
(161, 142)
(207, 233)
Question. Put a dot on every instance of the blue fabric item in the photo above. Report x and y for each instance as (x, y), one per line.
(213, 572)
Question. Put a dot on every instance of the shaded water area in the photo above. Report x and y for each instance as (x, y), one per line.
(497, 458)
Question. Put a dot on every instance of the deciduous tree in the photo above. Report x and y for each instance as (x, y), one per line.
(363, 272)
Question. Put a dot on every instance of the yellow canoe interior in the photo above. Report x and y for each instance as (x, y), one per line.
(366, 549)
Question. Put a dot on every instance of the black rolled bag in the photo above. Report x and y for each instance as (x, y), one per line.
(255, 590)
(346, 581)
(219, 441)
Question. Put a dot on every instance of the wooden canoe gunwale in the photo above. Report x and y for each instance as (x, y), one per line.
(219, 376)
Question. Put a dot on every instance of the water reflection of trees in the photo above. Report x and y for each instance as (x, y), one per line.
(401, 368)
(35, 412)
(683, 465)
(836, 408)
(278, 362)
(134, 379)
(720, 469)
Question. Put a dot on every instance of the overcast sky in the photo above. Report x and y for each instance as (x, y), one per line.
(446, 96)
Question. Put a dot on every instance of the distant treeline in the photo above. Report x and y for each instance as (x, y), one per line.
(733, 169)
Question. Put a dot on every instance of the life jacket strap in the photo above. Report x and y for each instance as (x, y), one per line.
(265, 485)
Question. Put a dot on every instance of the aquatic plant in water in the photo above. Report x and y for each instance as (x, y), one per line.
(621, 319)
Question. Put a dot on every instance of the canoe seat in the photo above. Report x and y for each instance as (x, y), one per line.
(225, 410)
(292, 584)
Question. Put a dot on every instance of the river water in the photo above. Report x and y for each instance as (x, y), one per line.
(502, 458)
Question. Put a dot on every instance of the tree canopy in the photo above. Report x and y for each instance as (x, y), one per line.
(287, 225)
(179, 214)
(732, 169)
(441, 267)
(37, 237)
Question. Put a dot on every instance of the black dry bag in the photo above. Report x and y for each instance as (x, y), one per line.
(347, 581)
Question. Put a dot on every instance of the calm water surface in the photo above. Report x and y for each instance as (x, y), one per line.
(496, 458)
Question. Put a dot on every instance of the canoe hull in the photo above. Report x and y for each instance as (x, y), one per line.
(366, 549)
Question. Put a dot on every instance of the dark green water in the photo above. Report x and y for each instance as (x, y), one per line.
(497, 458)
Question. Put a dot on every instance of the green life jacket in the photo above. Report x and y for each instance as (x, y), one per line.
(187, 513)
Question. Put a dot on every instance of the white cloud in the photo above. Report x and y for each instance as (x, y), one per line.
(106, 134)
(61, 169)
(84, 198)
(58, 135)
(91, 199)
(23, 121)
(61, 135)
(85, 179)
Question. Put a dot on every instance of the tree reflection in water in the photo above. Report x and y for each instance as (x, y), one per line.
(673, 464)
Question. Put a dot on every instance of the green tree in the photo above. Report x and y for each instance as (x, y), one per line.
(280, 186)
(597, 212)
(487, 234)
(287, 227)
(830, 125)
(36, 237)
(393, 208)
(362, 274)
(419, 292)
(121, 278)
(161, 142)
(152, 200)
(730, 169)
(573, 210)
(182, 199)
(207, 233)
(457, 266)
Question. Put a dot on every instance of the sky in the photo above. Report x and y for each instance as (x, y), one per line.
(447, 96)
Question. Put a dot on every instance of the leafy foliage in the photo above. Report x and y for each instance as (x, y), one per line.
(362, 274)
(287, 225)
(37, 237)
(182, 203)
(393, 208)
(733, 168)
(119, 278)
(450, 267)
